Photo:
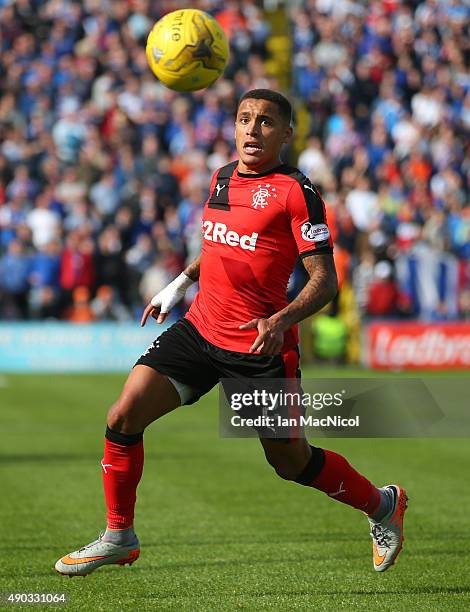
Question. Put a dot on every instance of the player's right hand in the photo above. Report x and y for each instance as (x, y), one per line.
(154, 312)
(270, 336)
(161, 303)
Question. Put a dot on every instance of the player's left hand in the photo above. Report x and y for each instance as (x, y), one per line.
(270, 336)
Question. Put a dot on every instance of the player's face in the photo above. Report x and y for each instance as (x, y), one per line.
(260, 132)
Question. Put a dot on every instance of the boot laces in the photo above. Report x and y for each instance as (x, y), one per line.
(381, 537)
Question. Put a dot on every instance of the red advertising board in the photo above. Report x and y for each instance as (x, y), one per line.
(417, 346)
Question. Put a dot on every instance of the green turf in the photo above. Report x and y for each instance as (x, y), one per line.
(219, 531)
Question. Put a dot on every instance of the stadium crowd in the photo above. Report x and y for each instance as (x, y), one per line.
(103, 171)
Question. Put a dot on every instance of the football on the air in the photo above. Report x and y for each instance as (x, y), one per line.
(187, 50)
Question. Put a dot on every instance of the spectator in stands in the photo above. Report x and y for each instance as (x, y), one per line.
(80, 310)
(14, 275)
(44, 298)
(382, 295)
(313, 163)
(77, 266)
(154, 279)
(106, 306)
(44, 222)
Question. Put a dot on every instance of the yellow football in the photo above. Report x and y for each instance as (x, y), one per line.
(187, 50)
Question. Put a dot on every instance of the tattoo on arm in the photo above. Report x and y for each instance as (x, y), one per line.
(320, 289)
(193, 269)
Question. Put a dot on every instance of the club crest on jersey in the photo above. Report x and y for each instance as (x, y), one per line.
(261, 195)
(315, 233)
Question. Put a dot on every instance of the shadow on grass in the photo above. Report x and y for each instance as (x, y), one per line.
(246, 539)
(424, 590)
(46, 457)
(63, 457)
(320, 593)
(314, 558)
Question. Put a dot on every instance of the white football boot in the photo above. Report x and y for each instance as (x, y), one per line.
(387, 534)
(92, 556)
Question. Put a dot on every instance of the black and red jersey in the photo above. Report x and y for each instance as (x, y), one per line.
(254, 228)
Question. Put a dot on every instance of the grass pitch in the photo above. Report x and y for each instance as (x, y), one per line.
(219, 530)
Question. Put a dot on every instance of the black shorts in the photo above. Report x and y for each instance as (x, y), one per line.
(182, 354)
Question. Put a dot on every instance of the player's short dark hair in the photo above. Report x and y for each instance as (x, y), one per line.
(283, 104)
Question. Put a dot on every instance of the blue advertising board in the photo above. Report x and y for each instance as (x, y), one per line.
(65, 347)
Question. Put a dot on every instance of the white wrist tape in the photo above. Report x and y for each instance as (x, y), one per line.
(172, 293)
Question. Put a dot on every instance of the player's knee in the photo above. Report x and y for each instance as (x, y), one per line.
(288, 458)
(115, 419)
(123, 417)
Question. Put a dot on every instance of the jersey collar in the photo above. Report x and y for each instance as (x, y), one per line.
(254, 176)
